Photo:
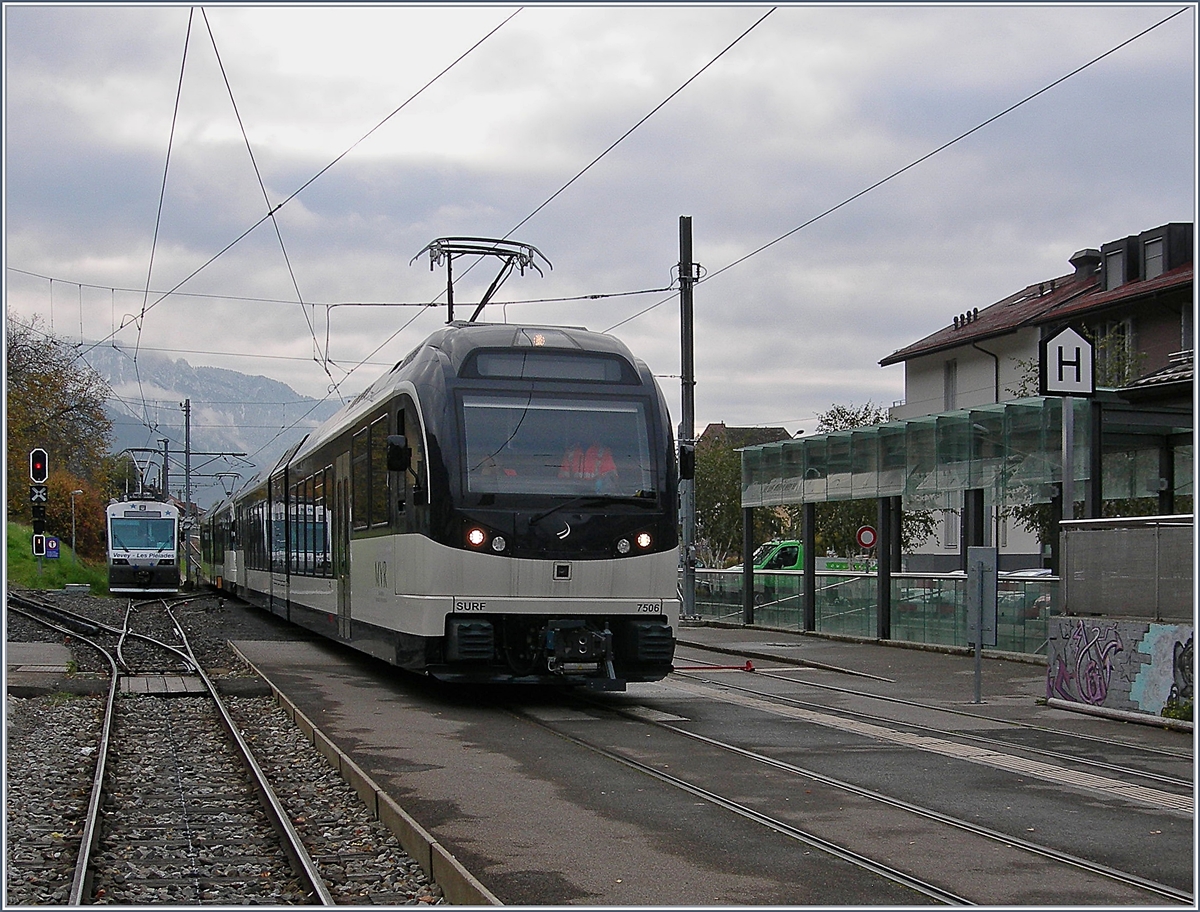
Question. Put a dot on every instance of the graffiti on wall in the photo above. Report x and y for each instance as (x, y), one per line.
(1135, 666)
(1181, 687)
(1081, 666)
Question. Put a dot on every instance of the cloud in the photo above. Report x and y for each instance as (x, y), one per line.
(810, 108)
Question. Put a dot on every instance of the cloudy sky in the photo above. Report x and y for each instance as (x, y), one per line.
(784, 118)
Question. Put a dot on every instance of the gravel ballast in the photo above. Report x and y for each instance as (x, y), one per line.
(51, 752)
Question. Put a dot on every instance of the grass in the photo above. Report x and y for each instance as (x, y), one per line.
(23, 568)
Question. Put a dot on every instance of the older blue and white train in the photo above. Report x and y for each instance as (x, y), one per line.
(143, 547)
(500, 507)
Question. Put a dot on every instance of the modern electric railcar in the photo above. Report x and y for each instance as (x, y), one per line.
(500, 507)
(143, 547)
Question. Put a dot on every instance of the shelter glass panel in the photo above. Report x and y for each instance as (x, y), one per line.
(864, 463)
(773, 465)
(953, 437)
(815, 485)
(751, 478)
(1184, 471)
(793, 464)
(893, 461)
(1033, 454)
(987, 447)
(921, 443)
(838, 467)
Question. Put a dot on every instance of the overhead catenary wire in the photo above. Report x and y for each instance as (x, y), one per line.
(595, 160)
(846, 202)
(321, 172)
(658, 107)
(912, 164)
(334, 387)
(162, 193)
(251, 299)
(271, 211)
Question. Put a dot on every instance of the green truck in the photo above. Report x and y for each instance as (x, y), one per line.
(789, 555)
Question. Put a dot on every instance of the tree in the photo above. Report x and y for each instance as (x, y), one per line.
(719, 494)
(54, 400)
(838, 522)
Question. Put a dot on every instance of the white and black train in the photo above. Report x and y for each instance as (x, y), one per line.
(501, 506)
(143, 547)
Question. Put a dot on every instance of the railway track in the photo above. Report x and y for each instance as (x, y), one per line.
(1179, 784)
(179, 809)
(1177, 798)
(911, 823)
(179, 739)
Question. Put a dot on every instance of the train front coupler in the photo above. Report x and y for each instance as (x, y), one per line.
(573, 648)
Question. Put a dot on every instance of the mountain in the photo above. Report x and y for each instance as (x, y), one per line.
(231, 412)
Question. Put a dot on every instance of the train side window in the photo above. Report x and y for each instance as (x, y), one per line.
(378, 472)
(318, 532)
(409, 425)
(360, 474)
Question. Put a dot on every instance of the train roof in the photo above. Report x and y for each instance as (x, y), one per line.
(459, 340)
(456, 342)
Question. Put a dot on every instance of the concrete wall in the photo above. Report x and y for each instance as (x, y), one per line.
(1128, 665)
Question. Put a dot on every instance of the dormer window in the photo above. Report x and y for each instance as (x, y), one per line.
(1114, 269)
(1152, 252)
(1122, 262)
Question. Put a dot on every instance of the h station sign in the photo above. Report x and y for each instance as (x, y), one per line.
(1067, 367)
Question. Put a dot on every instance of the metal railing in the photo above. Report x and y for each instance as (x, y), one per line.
(926, 608)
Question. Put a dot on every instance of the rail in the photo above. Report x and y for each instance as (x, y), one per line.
(75, 626)
(293, 846)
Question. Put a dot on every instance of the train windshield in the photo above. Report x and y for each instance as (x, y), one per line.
(539, 444)
(142, 534)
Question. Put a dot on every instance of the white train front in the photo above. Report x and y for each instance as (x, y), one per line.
(143, 547)
(501, 506)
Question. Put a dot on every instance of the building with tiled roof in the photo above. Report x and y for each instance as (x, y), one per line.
(1135, 292)
(973, 441)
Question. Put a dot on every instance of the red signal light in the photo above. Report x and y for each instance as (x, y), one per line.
(39, 465)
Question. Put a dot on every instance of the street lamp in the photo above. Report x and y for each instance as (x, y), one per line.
(74, 553)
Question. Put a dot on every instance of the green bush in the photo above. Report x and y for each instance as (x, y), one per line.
(1177, 710)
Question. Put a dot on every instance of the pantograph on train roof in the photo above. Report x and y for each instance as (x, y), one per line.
(514, 255)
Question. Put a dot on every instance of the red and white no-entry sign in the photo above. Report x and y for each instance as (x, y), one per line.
(866, 537)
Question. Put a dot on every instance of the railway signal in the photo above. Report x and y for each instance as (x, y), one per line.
(39, 466)
(39, 545)
(39, 492)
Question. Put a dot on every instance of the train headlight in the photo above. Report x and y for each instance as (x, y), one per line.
(643, 540)
(623, 546)
(476, 537)
(498, 543)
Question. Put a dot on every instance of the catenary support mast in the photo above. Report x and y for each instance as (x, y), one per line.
(687, 425)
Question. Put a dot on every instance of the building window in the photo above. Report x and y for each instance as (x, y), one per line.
(950, 386)
(1116, 358)
(1153, 254)
(950, 530)
(1114, 269)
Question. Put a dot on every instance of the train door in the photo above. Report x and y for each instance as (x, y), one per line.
(341, 541)
(278, 532)
(410, 499)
